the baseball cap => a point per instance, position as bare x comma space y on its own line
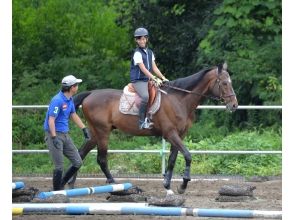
70, 80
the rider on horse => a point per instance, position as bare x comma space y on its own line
142, 66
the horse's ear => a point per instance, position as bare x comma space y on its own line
219, 68
225, 66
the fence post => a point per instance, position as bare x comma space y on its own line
163, 156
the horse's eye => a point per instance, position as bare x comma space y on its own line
225, 83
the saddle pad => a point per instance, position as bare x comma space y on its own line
128, 106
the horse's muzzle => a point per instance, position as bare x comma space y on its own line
232, 106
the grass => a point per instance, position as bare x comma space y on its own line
246, 165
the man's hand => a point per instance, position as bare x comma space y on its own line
86, 133
57, 142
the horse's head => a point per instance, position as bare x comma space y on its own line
222, 87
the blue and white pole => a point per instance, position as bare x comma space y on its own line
178, 211
18, 185
136, 209
86, 191
71, 208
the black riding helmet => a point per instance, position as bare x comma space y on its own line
139, 32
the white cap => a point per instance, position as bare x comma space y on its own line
70, 80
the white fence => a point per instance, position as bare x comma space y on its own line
163, 152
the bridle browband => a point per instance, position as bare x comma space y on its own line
217, 81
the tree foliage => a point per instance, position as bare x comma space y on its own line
247, 34
52, 39
93, 39
190, 35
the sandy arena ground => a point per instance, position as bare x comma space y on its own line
200, 194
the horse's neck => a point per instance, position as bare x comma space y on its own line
199, 92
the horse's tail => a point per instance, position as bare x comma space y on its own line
78, 98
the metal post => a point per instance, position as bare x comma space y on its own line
163, 156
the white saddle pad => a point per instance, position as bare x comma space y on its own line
128, 106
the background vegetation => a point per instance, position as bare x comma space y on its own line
93, 40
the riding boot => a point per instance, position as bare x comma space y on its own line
57, 178
69, 173
144, 122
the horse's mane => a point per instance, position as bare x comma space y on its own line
188, 82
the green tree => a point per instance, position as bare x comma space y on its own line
176, 29
247, 34
54, 38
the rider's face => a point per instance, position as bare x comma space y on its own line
141, 41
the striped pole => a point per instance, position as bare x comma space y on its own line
71, 208
178, 211
136, 209
18, 185
86, 191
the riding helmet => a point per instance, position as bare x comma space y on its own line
139, 32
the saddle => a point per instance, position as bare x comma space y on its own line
130, 101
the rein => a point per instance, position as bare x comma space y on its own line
191, 92
217, 81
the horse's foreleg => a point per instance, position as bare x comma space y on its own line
186, 177
176, 141
83, 151
103, 163
171, 164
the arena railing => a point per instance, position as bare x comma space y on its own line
163, 152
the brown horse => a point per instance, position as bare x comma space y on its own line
172, 121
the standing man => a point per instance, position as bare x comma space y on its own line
56, 127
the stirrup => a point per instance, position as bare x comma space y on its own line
147, 124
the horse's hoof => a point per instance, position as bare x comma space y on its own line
181, 190
71, 185
111, 181
169, 192
166, 184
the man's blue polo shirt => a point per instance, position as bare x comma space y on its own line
61, 108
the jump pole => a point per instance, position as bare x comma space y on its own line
71, 208
18, 185
178, 211
136, 209
86, 191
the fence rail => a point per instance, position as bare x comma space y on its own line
163, 150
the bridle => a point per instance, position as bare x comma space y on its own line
217, 82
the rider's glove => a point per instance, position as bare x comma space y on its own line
57, 142
164, 79
86, 133
157, 81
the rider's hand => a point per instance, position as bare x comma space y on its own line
57, 142
157, 81
164, 79
86, 133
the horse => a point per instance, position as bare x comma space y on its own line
172, 121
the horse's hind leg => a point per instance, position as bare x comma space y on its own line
102, 157
83, 151
171, 164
